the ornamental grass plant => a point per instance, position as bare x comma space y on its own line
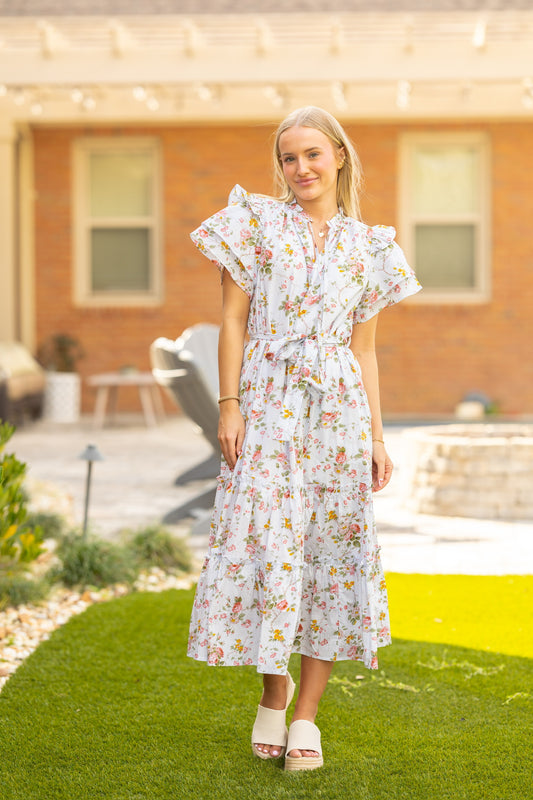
89, 561
155, 546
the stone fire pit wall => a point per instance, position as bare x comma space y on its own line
476, 470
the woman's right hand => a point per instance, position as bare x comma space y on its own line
231, 427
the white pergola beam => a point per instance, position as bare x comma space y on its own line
368, 64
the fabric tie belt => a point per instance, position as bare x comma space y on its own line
306, 369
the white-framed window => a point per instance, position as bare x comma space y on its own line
444, 206
117, 221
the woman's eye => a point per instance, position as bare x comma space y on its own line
314, 155
288, 159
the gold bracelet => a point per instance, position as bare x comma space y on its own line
229, 397
378, 440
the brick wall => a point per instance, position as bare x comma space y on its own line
430, 356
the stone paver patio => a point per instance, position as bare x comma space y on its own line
135, 485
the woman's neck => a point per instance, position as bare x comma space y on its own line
320, 212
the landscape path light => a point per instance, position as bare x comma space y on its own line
90, 454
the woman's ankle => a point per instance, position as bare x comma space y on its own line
305, 711
274, 691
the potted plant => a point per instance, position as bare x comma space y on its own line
59, 355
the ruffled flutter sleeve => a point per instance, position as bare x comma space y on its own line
390, 278
231, 237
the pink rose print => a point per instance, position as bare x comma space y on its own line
215, 656
357, 267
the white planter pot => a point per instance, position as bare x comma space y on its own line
62, 397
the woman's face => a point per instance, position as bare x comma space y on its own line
310, 164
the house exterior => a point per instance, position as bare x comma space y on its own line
124, 124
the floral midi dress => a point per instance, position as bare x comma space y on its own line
293, 562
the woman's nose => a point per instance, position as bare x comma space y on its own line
302, 166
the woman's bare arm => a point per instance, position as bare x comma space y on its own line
235, 310
363, 346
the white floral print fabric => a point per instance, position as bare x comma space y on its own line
293, 562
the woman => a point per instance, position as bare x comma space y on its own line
293, 563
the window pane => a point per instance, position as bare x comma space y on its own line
445, 256
120, 184
445, 180
120, 259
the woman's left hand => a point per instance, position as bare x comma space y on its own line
381, 467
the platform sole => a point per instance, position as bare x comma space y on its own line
300, 764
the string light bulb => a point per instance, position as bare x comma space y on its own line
527, 92
403, 94
338, 93
88, 103
204, 92
274, 95
139, 93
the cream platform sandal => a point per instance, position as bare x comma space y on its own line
303, 735
270, 728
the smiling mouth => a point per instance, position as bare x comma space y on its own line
306, 181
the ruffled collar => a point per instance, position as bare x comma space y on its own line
302, 218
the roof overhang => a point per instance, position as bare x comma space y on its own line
225, 68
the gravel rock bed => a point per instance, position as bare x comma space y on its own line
22, 629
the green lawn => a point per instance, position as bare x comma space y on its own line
486, 613
111, 708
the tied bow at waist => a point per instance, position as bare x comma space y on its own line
305, 356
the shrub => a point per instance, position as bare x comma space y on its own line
18, 588
53, 526
93, 562
155, 546
18, 541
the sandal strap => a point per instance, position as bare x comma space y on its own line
304, 735
269, 727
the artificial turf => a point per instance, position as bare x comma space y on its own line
111, 708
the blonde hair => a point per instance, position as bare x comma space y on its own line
350, 178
